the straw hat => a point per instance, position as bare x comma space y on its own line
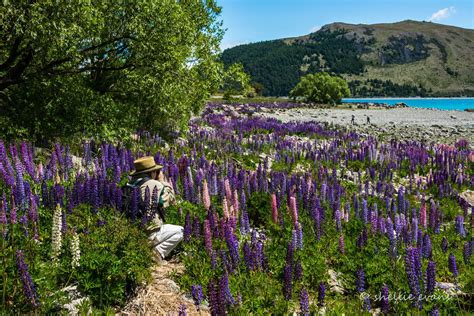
144, 165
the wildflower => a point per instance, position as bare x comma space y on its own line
411, 271
298, 275
360, 280
75, 250
293, 209
196, 228
206, 199
341, 244
187, 227
430, 278
224, 290
337, 217
467, 251
274, 208
196, 291
233, 246
29, 288
460, 226
207, 237
385, 301
444, 245
434, 312
225, 209
304, 302
423, 215
56, 235
452, 265
321, 293
213, 296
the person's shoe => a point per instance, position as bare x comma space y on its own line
158, 259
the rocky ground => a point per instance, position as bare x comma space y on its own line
401, 123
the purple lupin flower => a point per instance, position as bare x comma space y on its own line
304, 302
298, 275
337, 217
6, 176
182, 310
187, 227
224, 290
460, 226
196, 228
29, 289
13, 213
452, 265
321, 293
434, 311
430, 278
385, 301
248, 256
467, 251
411, 271
360, 280
19, 185
427, 248
299, 236
444, 245
196, 291
213, 296
233, 246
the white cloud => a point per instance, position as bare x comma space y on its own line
315, 28
442, 14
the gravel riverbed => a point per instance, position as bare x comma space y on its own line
401, 123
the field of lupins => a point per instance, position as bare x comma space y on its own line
278, 218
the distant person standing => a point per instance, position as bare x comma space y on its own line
353, 119
368, 119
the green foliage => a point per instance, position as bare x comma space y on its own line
235, 82
278, 65
115, 260
321, 88
108, 69
385, 88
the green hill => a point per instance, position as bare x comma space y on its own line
407, 58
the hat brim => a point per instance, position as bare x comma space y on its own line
155, 167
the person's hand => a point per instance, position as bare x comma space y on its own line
161, 177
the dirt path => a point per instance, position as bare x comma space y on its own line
162, 296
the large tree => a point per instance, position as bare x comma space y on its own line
321, 88
95, 65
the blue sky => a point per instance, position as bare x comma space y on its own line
249, 21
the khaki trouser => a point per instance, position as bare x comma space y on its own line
166, 239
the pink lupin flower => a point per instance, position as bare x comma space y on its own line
228, 191
39, 171
207, 237
225, 209
274, 209
341, 244
206, 199
423, 215
293, 209
236, 204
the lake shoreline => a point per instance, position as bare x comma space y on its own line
444, 126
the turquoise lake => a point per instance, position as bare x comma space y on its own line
437, 103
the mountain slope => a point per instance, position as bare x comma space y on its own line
407, 58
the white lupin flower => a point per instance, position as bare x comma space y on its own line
75, 250
56, 236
